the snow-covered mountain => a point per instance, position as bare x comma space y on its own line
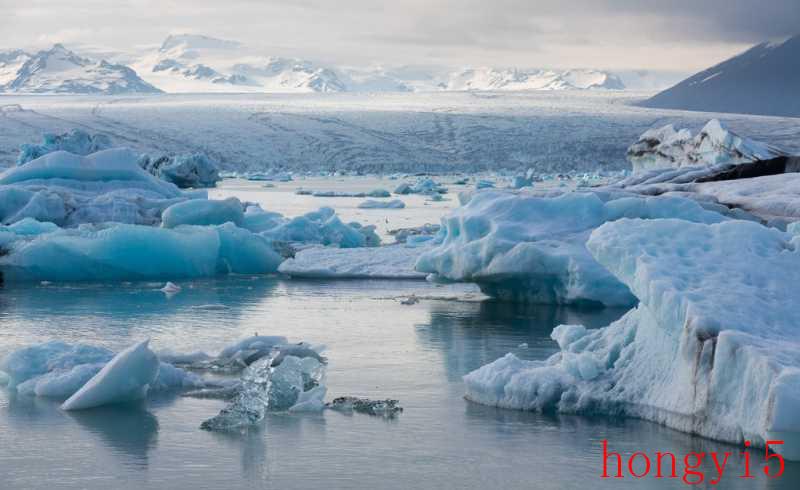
765, 79
514, 79
196, 63
59, 70
10, 63
193, 63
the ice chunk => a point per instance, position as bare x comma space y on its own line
387, 262
714, 144
372, 204
711, 349
188, 170
76, 141
125, 378
30, 362
294, 382
203, 212
532, 249
321, 226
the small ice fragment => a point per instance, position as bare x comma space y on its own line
170, 288
385, 408
411, 300
523, 345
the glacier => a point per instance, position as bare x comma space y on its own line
526, 248
711, 348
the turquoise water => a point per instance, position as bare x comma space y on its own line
376, 348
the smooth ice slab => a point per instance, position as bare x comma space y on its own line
386, 262
126, 377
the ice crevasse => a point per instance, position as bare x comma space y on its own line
712, 349
527, 248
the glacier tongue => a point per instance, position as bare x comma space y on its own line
711, 349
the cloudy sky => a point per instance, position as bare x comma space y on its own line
681, 35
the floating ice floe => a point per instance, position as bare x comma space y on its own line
386, 262
188, 170
372, 204
76, 141
532, 249
712, 348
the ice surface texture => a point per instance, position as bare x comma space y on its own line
711, 349
532, 249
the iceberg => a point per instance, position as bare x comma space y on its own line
126, 377
386, 262
185, 171
203, 212
533, 249
134, 252
711, 349
666, 148
68, 190
76, 141
373, 204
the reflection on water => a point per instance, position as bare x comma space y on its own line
471, 334
129, 430
376, 347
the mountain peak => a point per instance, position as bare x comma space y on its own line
765, 79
